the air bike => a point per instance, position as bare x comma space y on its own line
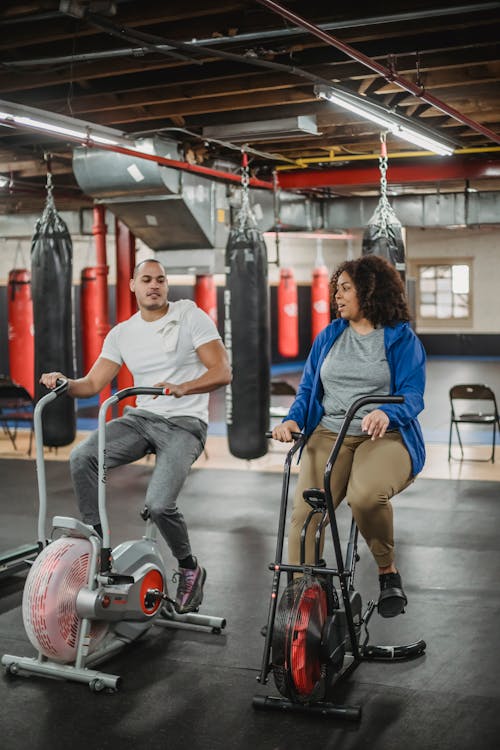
84, 602
313, 636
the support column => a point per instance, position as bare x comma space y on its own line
126, 304
101, 299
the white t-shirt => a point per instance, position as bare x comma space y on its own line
164, 350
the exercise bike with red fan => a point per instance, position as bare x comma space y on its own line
313, 634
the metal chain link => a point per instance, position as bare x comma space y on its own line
383, 207
49, 186
245, 198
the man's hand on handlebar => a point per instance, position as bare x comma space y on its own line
173, 390
283, 431
49, 379
375, 423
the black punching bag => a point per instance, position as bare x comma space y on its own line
247, 339
384, 234
384, 237
51, 282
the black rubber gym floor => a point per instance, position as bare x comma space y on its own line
188, 690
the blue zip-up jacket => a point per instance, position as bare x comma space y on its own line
406, 358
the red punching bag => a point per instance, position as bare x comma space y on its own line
288, 315
21, 338
320, 300
93, 314
205, 296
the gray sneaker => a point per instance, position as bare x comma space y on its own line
189, 589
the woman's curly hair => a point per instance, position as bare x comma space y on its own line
379, 288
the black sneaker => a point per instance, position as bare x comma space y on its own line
190, 589
392, 600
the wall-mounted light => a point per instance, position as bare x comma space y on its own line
4, 181
394, 123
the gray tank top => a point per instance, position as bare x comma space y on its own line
355, 366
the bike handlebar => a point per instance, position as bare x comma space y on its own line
355, 406
295, 435
139, 390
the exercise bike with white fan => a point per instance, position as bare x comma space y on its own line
83, 601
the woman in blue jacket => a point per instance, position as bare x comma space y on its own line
368, 349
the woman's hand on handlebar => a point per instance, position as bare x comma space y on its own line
283, 431
375, 423
49, 379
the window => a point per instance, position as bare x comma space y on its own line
444, 294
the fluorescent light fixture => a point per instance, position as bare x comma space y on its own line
32, 124
311, 235
17, 115
392, 122
264, 130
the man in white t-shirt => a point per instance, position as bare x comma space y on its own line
177, 346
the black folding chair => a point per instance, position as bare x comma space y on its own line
281, 388
16, 407
486, 413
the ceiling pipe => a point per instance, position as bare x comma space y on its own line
337, 157
387, 73
437, 171
260, 36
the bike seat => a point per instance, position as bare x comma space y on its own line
315, 498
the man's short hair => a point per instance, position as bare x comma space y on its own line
147, 260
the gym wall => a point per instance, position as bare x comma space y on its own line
480, 338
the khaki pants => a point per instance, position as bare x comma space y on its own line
367, 473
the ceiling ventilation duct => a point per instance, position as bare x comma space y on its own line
166, 208
172, 209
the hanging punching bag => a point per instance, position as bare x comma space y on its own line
21, 341
288, 314
205, 295
384, 234
93, 313
247, 339
51, 274
320, 300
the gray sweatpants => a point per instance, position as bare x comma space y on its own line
177, 442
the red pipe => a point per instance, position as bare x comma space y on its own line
437, 171
387, 73
101, 299
126, 304
125, 262
183, 165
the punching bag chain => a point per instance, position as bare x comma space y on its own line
49, 186
384, 206
245, 216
